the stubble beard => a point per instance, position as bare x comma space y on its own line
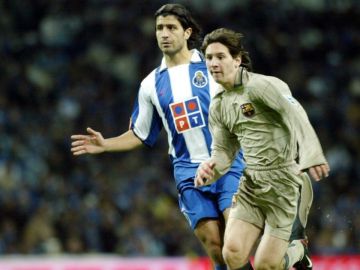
171, 51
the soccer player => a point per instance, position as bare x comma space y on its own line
258, 114
176, 96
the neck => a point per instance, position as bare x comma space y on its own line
179, 58
239, 77
228, 86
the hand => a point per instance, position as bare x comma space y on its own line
318, 172
204, 174
88, 144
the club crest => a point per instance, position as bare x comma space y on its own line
199, 80
247, 109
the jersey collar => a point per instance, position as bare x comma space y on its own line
242, 80
196, 57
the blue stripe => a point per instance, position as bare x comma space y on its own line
135, 112
165, 97
156, 126
204, 97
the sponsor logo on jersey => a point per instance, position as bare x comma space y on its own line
199, 80
187, 114
247, 109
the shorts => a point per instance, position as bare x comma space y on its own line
207, 202
304, 205
269, 199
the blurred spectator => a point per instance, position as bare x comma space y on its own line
66, 61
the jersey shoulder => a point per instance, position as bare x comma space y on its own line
262, 82
147, 85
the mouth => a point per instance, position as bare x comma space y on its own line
165, 44
215, 73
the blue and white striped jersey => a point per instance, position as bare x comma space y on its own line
178, 99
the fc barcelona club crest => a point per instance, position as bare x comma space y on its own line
199, 79
247, 109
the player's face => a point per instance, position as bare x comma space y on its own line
222, 66
170, 35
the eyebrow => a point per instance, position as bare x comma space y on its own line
166, 24
216, 53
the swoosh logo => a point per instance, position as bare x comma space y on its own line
309, 261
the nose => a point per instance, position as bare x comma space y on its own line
164, 32
213, 62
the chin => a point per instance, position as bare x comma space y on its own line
217, 79
169, 49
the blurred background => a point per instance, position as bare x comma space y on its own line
66, 65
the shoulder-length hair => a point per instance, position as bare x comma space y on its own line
233, 41
186, 20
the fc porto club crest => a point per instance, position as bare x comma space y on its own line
247, 109
199, 80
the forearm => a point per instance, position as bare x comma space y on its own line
297, 122
210, 171
310, 150
223, 161
224, 147
125, 142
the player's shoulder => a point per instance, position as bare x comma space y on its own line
149, 80
261, 81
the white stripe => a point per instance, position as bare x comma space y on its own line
194, 138
143, 122
212, 85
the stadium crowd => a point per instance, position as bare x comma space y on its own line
66, 65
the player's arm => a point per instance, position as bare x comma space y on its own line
318, 172
145, 123
311, 157
94, 142
205, 174
224, 150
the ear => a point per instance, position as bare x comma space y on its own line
187, 33
237, 60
